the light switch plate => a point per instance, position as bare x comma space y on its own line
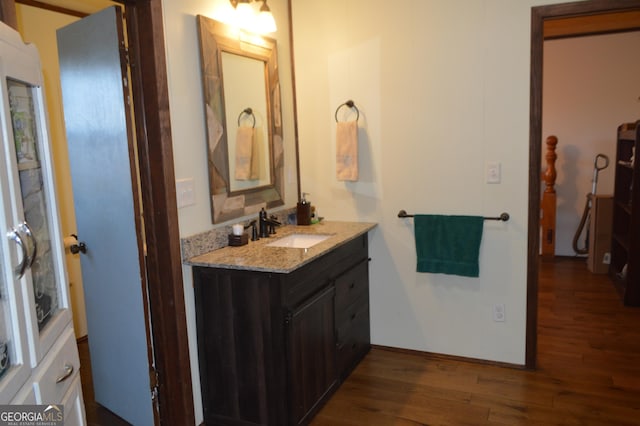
185, 192
492, 172
498, 312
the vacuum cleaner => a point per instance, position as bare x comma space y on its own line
601, 162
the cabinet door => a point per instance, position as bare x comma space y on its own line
74, 414
33, 214
312, 359
14, 359
16, 252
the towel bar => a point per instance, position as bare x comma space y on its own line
349, 104
503, 217
249, 112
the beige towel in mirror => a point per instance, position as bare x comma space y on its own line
246, 154
347, 150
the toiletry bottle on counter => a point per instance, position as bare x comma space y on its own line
304, 211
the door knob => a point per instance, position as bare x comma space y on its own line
80, 247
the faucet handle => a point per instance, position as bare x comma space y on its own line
254, 231
272, 223
274, 220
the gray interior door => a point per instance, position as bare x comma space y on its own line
105, 190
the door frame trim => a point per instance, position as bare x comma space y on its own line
538, 16
157, 181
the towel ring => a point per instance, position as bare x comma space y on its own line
247, 111
349, 104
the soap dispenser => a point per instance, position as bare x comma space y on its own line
303, 211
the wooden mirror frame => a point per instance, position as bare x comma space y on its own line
215, 38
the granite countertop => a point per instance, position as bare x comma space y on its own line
256, 256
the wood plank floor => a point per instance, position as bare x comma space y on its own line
588, 370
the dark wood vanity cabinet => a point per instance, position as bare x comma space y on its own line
273, 347
311, 348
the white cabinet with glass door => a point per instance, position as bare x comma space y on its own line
38, 352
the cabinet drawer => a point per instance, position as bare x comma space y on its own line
356, 314
352, 285
353, 346
25, 396
307, 280
58, 370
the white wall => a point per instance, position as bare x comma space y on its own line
591, 86
443, 87
188, 127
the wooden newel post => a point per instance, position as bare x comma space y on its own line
548, 204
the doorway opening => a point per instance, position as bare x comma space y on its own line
564, 20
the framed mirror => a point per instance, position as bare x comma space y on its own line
242, 100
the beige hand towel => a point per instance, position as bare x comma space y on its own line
246, 161
347, 150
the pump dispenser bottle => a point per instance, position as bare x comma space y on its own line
304, 210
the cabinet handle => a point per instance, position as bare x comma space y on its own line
352, 285
68, 371
20, 269
24, 227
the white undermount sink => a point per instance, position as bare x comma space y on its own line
299, 240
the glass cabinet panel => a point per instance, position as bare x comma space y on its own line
36, 227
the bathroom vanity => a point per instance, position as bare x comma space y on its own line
280, 327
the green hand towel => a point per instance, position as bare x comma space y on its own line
448, 244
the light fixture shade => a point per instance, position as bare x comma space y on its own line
245, 14
265, 22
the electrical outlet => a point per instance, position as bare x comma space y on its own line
498, 312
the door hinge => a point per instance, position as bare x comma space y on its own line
154, 382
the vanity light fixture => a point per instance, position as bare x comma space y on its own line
246, 17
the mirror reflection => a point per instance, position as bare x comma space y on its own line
244, 126
246, 102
